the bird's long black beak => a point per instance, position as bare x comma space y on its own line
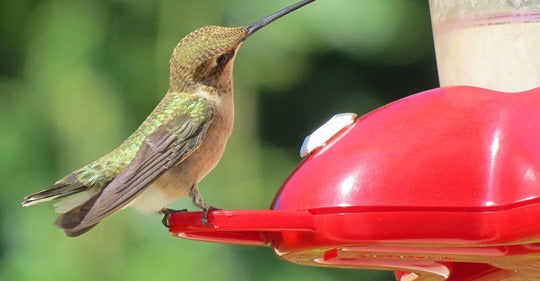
266, 20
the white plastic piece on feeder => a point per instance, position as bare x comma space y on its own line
320, 136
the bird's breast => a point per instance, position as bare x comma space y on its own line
177, 181
201, 161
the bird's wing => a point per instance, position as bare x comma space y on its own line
167, 145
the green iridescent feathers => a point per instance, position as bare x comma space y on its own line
203, 55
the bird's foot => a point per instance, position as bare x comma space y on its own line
199, 202
204, 218
167, 213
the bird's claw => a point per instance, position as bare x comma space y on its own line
199, 202
204, 218
167, 213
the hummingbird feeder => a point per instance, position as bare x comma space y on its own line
440, 185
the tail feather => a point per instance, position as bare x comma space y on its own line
79, 191
73, 221
56, 191
67, 203
78, 231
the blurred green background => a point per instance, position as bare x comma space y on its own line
76, 77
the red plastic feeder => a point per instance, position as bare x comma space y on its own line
441, 185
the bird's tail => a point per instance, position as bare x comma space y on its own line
79, 191
72, 221
74, 208
58, 190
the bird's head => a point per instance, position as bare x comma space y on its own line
205, 57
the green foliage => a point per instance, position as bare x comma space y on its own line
76, 77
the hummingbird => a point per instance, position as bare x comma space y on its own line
174, 148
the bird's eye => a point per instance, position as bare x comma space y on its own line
223, 59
